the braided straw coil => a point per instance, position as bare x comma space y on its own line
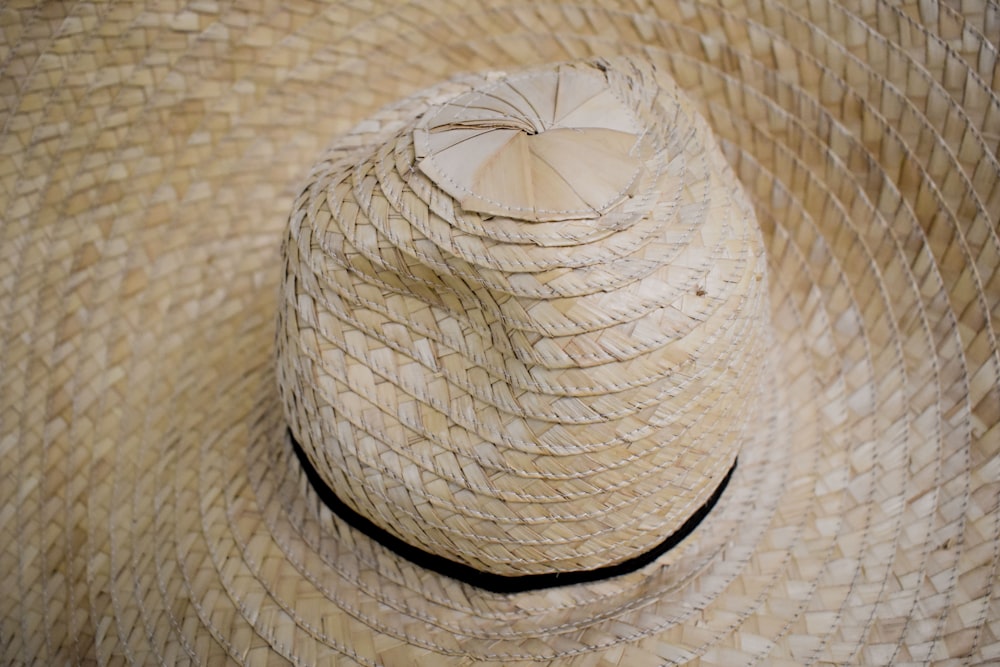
528, 381
520, 405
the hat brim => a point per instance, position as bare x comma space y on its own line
154, 509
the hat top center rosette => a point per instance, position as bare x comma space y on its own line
524, 321
546, 145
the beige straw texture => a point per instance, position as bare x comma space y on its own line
153, 509
517, 406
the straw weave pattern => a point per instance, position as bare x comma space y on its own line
549, 419
152, 509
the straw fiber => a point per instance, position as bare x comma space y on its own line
228, 225
505, 404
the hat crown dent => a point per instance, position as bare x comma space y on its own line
529, 392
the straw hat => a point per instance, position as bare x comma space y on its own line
611, 335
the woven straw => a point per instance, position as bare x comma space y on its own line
526, 407
793, 261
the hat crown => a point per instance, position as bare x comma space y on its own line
502, 359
